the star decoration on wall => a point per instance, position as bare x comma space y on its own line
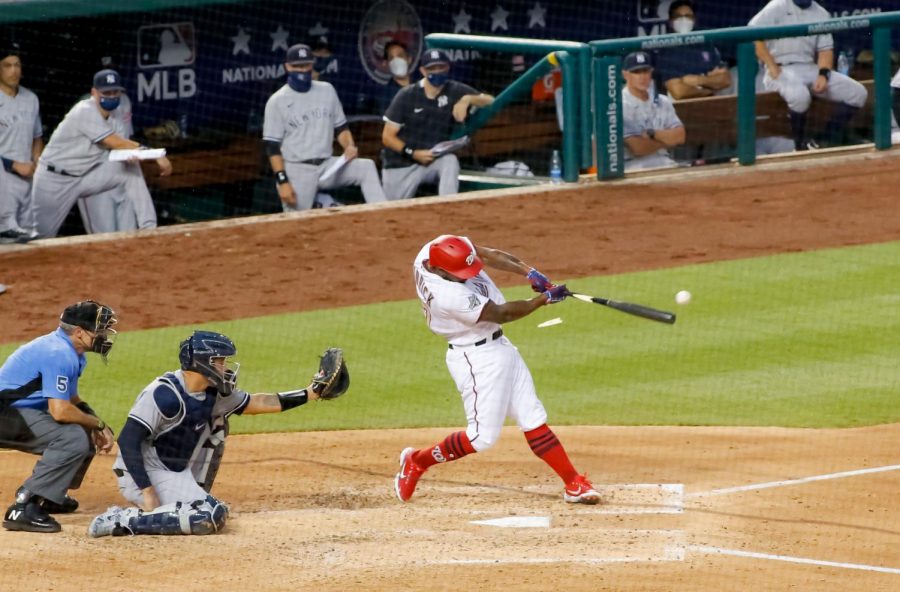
461, 22
241, 42
279, 39
498, 19
536, 16
318, 30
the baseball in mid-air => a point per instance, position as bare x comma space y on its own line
683, 297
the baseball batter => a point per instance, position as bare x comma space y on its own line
76, 161
115, 210
173, 439
21, 143
299, 127
463, 305
650, 125
799, 68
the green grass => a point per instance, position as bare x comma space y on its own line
805, 339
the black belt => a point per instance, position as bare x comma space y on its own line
497, 335
314, 161
119, 472
59, 171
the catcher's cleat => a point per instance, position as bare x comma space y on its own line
406, 479
113, 522
69, 505
29, 517
581, 491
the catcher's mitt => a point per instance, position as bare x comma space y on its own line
333, 379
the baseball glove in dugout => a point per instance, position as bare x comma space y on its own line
333, 379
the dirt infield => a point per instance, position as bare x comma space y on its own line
687, 508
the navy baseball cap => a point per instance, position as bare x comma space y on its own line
299, 54
433, 57
637, 60
108, 80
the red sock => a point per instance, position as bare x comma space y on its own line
453, 447
548, 448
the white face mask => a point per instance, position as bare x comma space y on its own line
683, 24
399, 67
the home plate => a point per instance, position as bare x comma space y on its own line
517, 522
550, 323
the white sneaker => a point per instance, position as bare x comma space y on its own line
114, 521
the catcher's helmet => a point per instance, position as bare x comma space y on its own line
455, 255
197, 353
97, 318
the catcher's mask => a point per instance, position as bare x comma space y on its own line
199, 353
96, 318
455, 255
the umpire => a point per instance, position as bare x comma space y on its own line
41, 413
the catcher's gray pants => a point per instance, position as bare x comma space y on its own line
403, 183
115, 210
55, 194
66, 450
170, 487
304, 178
15, 202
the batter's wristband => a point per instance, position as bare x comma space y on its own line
281, 177
408, 151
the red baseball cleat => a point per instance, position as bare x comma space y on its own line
406, 479
581, 491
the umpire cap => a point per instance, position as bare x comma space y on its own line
299, 54
89, 315
108, 80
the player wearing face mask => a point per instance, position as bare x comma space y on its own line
400, 65
693, 70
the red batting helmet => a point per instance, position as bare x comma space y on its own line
454, 255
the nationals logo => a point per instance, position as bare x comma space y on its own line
388, 20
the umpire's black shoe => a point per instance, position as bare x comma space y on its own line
14, 236
69, 505
29, 517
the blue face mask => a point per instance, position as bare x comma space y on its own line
300, 81
109, 103
438, 78
803, 4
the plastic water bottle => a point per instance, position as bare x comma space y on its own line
182, 125
843, 64
555, 168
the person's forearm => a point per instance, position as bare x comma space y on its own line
642, 145
671, 137
345, 139
277, 162
36, 148
826, 59
513, 311
392, 141
503, 261
64, 411
678, 90
762, 52
262, 403
481, 100
717, 80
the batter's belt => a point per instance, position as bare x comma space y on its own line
494, 337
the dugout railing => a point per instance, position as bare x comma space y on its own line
607, 80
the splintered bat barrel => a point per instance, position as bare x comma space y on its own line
638, 310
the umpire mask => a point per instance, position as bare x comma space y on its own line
98, 319
300, 81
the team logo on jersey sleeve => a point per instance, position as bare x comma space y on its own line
474, 302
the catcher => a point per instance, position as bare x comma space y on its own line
173, 440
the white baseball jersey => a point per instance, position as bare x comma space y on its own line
74, 147
638, 116
20, 124
793, 50
452, 308
304, 123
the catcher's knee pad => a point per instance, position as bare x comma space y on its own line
200, 517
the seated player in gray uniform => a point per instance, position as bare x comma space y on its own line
21, 143
115, 210
42, 412
173, 441
299, 127
76, 161
421, 116
799, 68
650, 124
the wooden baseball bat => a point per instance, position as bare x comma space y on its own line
638, 310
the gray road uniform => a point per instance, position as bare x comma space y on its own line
20, 126
304, 124
799, 69
74, 164
656, 113
177, 429
115, 210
